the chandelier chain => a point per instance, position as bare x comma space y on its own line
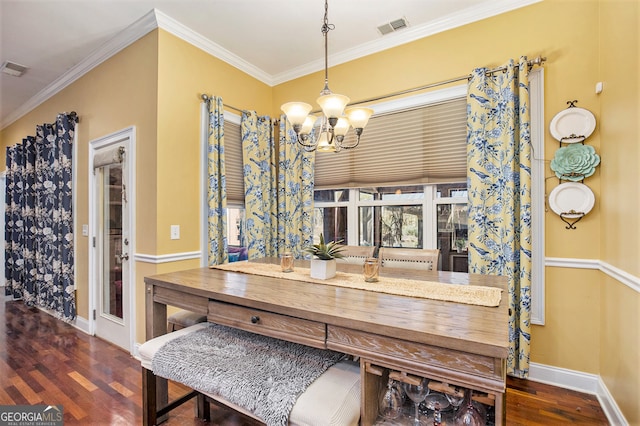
327, 135
326, 27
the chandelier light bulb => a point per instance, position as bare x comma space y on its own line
334, 126
296, 112
341, 128
333, 105
308, 124
324, 143
359, 117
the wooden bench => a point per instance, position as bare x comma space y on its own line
332, 399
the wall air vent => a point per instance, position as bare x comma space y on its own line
394, 25
13, 69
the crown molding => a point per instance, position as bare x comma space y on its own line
157, 19
407, 35
123, 39
179, 30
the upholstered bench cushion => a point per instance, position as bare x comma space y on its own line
183, 319
332, 399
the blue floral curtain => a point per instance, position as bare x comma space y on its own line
295, 192
39, 263
499, 184
260, 184
216, 188
278, 188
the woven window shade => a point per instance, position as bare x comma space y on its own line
426, 144
233, 162
107, 157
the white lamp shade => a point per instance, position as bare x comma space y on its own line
308, 124
359, 117
323, 143
296, 112
342, 127
333, 105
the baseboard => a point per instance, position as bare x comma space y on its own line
136, 351
581, 382
81, 324
609, 405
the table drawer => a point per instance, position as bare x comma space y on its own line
283, 327
436, 362
190, 302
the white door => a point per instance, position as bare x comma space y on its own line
111, 243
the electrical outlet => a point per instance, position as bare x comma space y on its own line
175, 232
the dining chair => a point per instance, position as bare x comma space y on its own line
409, 258
356, 255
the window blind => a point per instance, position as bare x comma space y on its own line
109, 156
425, 144
233, 162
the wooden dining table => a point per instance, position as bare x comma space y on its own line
458, 344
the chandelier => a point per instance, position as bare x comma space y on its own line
335, 121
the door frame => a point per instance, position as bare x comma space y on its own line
126, 137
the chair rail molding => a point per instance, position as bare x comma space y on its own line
617, 274
166, 258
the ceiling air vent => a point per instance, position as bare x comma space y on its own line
392, 26
13, 69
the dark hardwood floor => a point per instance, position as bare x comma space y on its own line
46, 361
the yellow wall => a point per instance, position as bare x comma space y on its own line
184, 73
591, 319
155, 84
582, 306
620, 203
119, 93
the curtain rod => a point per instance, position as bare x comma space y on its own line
539, 60
207, 98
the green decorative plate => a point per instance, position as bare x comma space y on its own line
575, 162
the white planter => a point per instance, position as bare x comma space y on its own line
323, 269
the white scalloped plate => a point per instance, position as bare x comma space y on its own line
571, 200
572, 125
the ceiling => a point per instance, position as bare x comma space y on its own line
273, 40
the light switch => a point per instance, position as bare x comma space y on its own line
175, 232
85, 230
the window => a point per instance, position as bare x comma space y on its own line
235, 188
411, 162
396, 216
235, 226
442, 172
330, 215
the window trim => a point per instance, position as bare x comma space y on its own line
536, 95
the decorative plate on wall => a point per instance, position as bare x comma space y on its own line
571, 200
575, 162
572, 125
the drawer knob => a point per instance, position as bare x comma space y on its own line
255, 319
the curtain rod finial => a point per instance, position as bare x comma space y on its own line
538, 60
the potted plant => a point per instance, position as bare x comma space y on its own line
323, 263
461, 245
